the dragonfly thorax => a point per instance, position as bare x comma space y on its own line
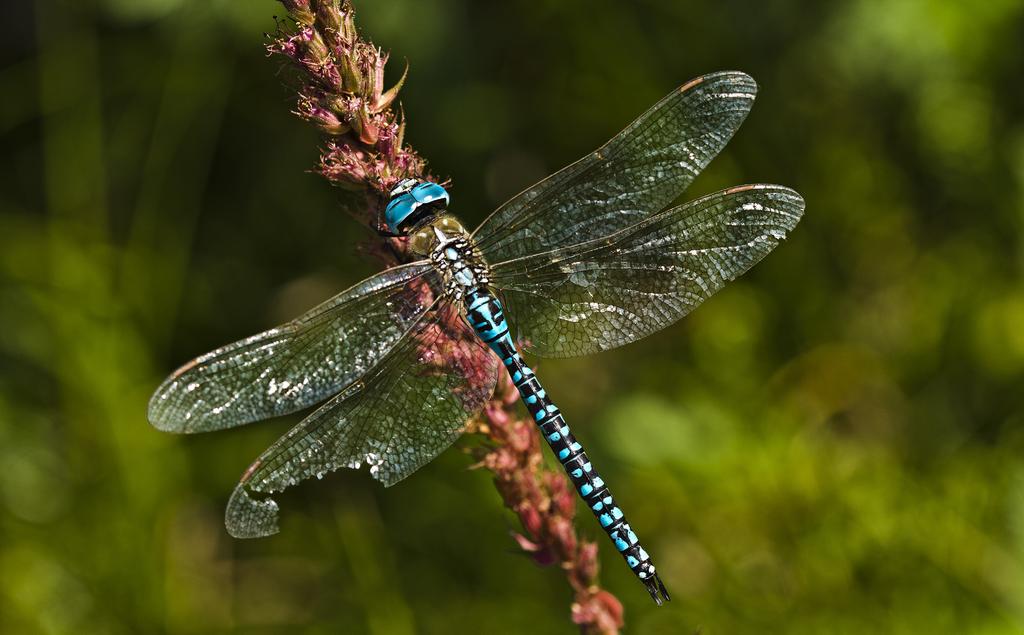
434, 232
451, 250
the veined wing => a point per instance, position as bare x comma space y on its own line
405, 411
640, 171
610, 291
298, 364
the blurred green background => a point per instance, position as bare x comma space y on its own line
833, 444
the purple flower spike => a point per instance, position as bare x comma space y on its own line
342, 93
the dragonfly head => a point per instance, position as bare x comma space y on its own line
412, 202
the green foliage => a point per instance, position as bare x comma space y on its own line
835, 440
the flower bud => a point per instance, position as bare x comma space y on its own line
328, 16
343, 165
532, 522
310, 109
586, 562
299, 10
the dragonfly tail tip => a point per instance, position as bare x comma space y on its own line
657, 590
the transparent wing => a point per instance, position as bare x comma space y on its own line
298, 364
607, 292
400, 415
640, 171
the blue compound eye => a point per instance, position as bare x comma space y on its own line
399, 209
427, 192
411, 204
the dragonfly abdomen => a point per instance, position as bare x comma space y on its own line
487, 317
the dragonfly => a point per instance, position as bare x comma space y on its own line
590, 258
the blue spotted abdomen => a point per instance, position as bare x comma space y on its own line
484, 312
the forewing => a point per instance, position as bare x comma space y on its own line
611, 291
298, 364
403, 413
640, 171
